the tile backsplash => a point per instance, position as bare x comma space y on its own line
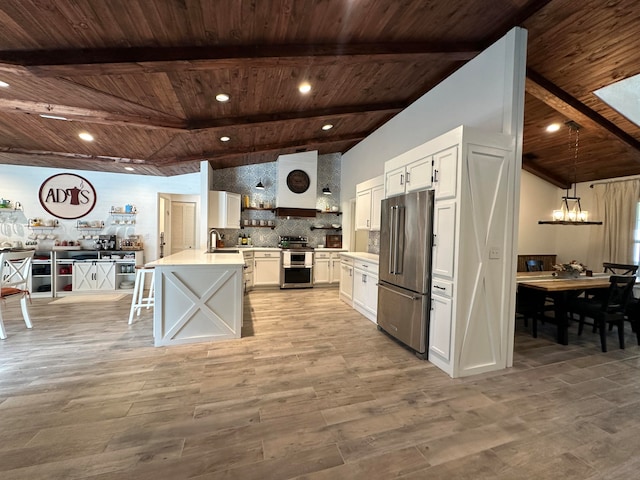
244, 179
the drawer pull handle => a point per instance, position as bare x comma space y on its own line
439, 287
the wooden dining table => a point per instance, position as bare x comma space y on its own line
561, 290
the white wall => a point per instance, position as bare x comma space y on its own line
22, 184
480, 94
477, 95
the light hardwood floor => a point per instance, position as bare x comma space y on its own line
312, 391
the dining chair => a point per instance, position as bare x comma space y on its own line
15, 271
632, 315
619, 268
610, 308
535, 265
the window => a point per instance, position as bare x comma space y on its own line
636, 237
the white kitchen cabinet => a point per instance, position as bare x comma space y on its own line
224, 209
440, 323
334, 269
365, 289
406, 174
346, 280
266, 269
363, 210
321, 267
326, 268
445, 175
473, 262
94, 275
444, 242
369, 196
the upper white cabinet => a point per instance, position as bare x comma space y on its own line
444, 239
445, 175
369, 196
408, 172
224, 210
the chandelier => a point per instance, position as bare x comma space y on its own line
570, 211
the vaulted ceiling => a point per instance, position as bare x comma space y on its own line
142, 76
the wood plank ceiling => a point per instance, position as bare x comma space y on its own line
142, 77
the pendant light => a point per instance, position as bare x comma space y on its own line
570, 211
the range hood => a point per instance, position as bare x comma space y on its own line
297, 184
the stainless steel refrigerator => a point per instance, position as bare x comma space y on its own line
406, 239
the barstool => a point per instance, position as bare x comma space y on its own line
139, 300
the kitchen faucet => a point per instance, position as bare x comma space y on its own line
211, 245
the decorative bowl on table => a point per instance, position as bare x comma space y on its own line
573, 269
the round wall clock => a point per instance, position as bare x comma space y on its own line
298, 181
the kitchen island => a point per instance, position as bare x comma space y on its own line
198, 297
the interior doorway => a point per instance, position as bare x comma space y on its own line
177, 223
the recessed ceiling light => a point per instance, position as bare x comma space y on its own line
4, 84
304, 87
327, 126
225, 139
53, 117
222, 97
130, 169
87, 137
554, 127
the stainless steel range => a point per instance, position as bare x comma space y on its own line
297, 262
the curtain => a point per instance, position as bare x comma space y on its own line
615, 205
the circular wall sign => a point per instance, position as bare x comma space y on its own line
67, 196
298, 181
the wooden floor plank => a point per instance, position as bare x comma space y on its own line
312, 391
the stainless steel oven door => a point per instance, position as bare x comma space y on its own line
297, 270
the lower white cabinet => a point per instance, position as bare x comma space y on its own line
334, 269
321, 267
440, 328
94, 275
365, 289
326, 268
266, 269
346, 280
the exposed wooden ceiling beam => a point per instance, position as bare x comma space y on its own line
388, 108
69, 156
91, 115
561, 101
121, 61
172, 123
544, 174
268, 148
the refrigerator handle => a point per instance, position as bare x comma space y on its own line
392, 211
410, 297
398, 253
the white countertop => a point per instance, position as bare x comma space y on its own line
200, 257
369, 257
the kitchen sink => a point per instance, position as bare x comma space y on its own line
225, 251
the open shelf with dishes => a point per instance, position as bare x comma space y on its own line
330, 212
257, 226
318, 227
87, 225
